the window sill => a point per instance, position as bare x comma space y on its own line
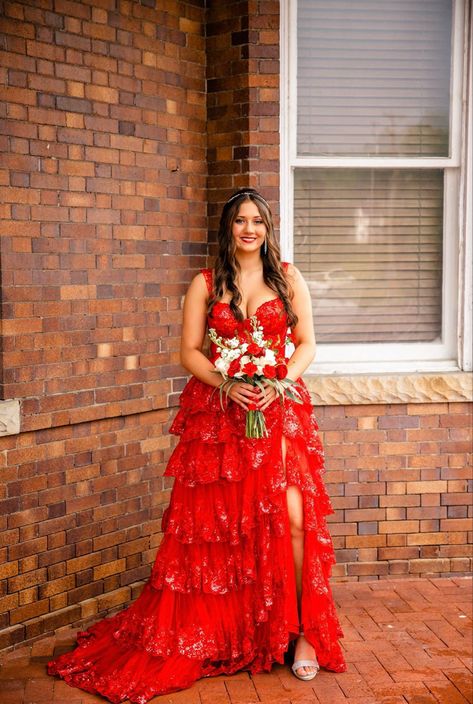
355, 389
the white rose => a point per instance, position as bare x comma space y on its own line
233, 354
258, 338
260, 363
269, 357
221, 365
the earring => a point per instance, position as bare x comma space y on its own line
265, 246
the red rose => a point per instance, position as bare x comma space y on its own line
251, 406
234, 367
281, 371
250, 368
269, 371
255, 350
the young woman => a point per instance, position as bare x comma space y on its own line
242, 573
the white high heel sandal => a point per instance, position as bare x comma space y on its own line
305, 663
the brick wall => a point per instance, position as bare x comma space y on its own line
399, 476
109, 162
104, 196
104, 222
243, 102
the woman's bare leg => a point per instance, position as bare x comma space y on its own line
303, 650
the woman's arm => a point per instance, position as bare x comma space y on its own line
303, 332
194, 324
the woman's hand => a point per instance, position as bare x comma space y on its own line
267, 397
243, 393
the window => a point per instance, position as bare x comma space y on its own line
371, 129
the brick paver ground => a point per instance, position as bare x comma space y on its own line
406, 641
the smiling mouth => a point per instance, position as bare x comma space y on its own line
248, 239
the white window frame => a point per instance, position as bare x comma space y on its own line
454, 352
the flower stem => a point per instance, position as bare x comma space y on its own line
255, 425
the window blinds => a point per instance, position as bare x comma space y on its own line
373, 77
369, 244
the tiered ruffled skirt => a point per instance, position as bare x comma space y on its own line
222, 593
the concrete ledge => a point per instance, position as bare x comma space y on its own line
333, 390
9, 417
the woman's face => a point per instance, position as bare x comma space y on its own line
248, 229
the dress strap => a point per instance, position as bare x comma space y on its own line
285, 265
208, 276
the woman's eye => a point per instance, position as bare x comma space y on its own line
241, 221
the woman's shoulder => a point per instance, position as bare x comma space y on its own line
207, 275
291, 270
201, 283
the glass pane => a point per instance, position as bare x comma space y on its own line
373, 77
369, 244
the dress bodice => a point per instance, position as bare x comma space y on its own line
271, 315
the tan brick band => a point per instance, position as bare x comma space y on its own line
390, 388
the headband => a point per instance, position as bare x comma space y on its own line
247, 193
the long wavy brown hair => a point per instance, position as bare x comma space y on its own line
227, 265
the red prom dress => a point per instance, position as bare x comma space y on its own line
222, 593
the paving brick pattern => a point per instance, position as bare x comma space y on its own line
407, 641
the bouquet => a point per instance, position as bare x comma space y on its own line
252, 358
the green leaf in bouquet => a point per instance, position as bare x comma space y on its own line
223, 389
294, 395
276, 384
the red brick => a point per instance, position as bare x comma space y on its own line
24, 613
399, 526
429, 566
455, 524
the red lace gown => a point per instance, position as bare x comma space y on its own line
222, 595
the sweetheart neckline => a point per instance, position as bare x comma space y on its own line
270, 300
